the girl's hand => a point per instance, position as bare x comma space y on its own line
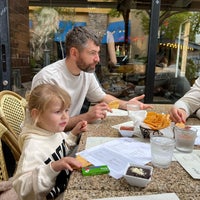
80, 127
69, 163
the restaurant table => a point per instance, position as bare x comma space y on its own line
171, 180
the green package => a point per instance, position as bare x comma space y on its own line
95, 170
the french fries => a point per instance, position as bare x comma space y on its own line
157, 121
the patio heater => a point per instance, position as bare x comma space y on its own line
185, 46
124, 7
5, 64
46, 56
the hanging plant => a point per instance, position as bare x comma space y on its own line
47, 22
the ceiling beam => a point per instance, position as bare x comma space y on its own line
71, 3
173, 5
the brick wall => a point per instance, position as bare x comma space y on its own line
19, 38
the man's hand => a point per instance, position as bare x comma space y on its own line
97, 112
136, 100
177, 115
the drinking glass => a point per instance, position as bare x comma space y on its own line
185, 138
161, 150
131, 108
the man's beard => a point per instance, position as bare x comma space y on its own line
84, 67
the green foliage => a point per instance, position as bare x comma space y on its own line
144, 17
170, 26
68, 13
114, 13
191, 70
195, 22
170, 21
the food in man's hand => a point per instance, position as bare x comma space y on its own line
127, 128
180, 125
157, 121
114, 104
84, 162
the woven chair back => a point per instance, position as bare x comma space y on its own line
12, 115
12, 110
3, 168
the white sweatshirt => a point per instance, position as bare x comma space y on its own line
79, 87
35, 178
190, 102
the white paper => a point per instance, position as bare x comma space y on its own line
94, 141
117, 112
117, 153
164, 196
190, 162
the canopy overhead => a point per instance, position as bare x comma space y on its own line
175, 5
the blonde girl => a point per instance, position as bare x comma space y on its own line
44, 167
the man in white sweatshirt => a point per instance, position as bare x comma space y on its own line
73, 74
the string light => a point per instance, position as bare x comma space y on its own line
174, 46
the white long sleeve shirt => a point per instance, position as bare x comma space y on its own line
190, 102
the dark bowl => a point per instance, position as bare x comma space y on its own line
146, 132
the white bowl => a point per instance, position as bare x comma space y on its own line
138, 181
126, 133
129, 133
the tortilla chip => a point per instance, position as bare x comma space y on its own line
157, 121
180, 125
114, 104
84, 162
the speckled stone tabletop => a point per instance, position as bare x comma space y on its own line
173, 179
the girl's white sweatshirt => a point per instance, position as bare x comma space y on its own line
34, 178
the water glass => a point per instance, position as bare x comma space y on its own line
131, 108
185, 138
161, 150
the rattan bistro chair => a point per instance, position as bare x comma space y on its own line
3, 168
12, 114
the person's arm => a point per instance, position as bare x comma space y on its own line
94, 113
73, 135
32, 184
187, 105
123, 104
99, 110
